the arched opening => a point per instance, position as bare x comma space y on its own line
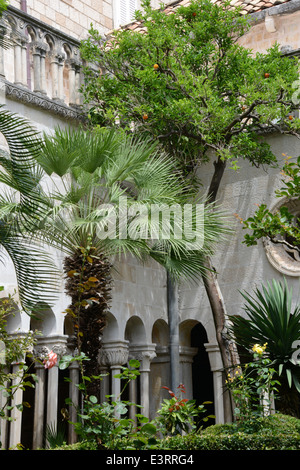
43, 320
203, 389
13, 315
160, 333
135, 331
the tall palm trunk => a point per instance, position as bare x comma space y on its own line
88, 284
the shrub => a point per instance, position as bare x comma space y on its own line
276, 432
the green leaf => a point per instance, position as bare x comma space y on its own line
149, 429
93, 399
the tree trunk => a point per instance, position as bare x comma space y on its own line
227, 346
89, 286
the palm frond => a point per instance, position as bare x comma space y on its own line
23, 211
270, 318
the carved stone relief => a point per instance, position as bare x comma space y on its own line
281, 254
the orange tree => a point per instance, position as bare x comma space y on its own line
182, 79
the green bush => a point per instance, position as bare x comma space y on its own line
275, 432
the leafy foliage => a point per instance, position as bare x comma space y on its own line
270, 318
183, 79
253, 387
22, 207
12, 351
279, 226
178, 414
276, 432
106, 169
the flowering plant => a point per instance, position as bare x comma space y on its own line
253, 386
50, 360
178, 414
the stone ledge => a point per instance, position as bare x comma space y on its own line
26, 96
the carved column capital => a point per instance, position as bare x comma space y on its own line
39, 48
143, 353
56, 344
114, 353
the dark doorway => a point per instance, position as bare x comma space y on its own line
203, 389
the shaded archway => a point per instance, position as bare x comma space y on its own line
203, 389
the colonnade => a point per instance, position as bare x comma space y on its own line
113, 356
45, 61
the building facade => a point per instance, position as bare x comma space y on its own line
40, 77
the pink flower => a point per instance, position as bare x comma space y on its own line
51, 360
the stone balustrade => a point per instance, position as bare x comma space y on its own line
42, 66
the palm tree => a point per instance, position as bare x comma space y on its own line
271, 318
22, 203
99, 178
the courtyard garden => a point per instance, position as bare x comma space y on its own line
183, 95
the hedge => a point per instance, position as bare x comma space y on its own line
275, 432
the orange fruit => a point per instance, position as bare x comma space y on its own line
145, 117
156, 66
267, 75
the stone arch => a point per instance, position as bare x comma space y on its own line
185, 329
160, 333
111, 331
43, 320
135, 331
13, 320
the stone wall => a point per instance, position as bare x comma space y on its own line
279, 24
72, 17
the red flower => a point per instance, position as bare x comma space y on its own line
51, 360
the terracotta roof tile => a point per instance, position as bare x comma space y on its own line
248, 6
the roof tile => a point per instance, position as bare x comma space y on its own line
248, 6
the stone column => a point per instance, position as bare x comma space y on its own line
39, 402
74, 77
132, 398
24, 61
3, 422
56, 60
43, 70
104, 388
18, 60
115, 355
216, 366
16, 415
52, 396
144, 354
186, 359
2, 35
60, 84
39, 73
